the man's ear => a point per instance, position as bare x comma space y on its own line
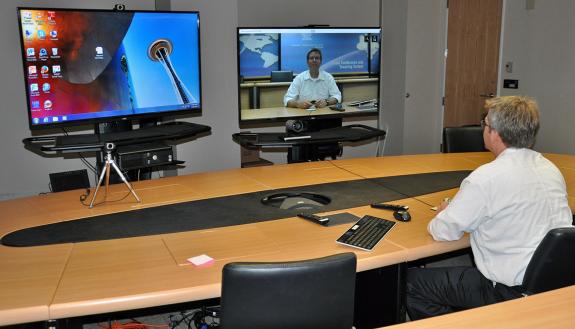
496, 140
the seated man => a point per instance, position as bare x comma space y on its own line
507, 205
312, 87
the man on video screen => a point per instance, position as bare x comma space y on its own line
312, 87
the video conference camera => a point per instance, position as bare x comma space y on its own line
120, 7
296, 126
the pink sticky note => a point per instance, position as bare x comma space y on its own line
201, 260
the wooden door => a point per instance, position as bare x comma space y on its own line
473, 35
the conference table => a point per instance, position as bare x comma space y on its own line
76, 279
288, 112
549, 310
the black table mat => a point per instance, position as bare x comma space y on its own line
230, 210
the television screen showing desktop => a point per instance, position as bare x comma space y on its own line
269, 59
83, 66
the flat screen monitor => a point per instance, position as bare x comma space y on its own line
350, 55
83, 66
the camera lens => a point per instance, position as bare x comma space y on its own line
295, 126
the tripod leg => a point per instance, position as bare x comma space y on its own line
107, 176
119, 172
104, 171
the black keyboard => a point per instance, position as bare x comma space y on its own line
366, 233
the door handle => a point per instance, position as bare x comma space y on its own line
490, 95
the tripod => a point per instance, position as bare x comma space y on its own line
106, 172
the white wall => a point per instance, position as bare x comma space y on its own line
541, 44
394, 24
270, 13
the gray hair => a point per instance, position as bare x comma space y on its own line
515, 118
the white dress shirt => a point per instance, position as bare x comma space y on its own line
508, 205
304, 87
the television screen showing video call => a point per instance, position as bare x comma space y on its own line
84, 66
270, 58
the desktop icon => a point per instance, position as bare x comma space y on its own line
51, 16
30, 52
99, 51
33, 87
64, 118
41, 34
56, 69
29, 33
46, 119
53, 34
44, 69
36, 121
46, 87
43, 52
32, 70
54, 119
35, 104
27, 14
47, 104
54, 51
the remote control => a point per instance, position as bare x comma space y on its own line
314, 218
337, 108
388, 206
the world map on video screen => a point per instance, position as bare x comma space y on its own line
261, 53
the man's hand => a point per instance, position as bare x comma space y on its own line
304, 104
443, 205
321, 103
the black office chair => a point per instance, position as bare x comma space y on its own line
69, 180
463, 139
552, 265
316, 293
281, 76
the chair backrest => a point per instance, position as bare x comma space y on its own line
552, 265
316, 293
281, 76
463, 139
69, 180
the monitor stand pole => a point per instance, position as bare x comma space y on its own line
106, 172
